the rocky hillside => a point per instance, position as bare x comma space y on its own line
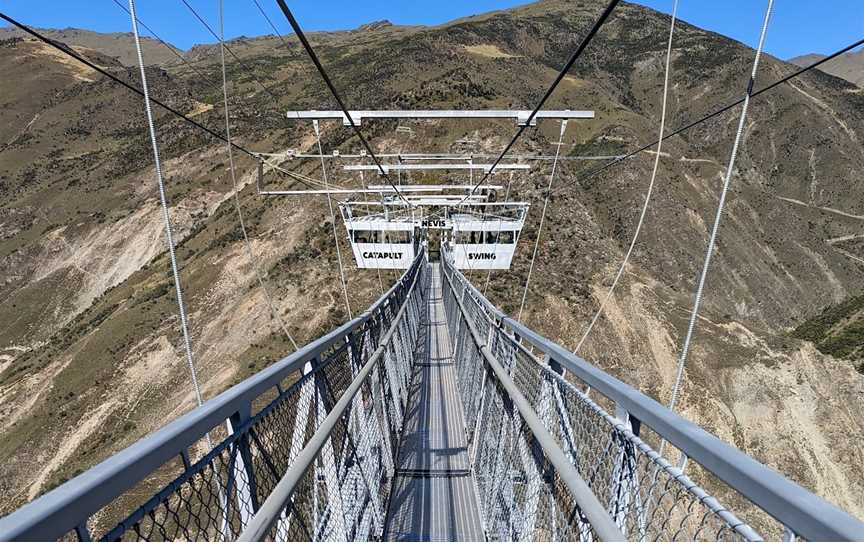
849, 66
90, 352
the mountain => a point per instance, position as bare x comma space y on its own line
90, 354
849, 66
118, 45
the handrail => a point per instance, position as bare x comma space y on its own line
804, 513
63, 509
600, 520
273, 506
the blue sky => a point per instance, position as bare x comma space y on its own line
798, 27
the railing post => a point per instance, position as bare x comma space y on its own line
623, 483
247, 490
82, 532
327, 461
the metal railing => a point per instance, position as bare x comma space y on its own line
350, 505
648, 498
527, 487
337, 407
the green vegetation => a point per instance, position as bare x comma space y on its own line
838, 331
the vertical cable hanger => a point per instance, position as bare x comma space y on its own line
184, 324
332, 220
650, 189
542, 218
246, 244
694, 313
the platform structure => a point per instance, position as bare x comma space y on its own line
434, 495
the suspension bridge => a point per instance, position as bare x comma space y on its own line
432, 415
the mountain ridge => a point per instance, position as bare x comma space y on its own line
848, 66
107, 367
118, 45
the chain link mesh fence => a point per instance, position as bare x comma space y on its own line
648, 498
521, 495
344, 494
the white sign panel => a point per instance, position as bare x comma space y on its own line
383, 255
485, 256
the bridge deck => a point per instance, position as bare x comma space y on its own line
433, 495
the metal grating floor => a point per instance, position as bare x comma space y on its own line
433, 497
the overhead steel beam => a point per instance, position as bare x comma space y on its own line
433, 156
520, 116
378, 189
429, 167
365, 203
431, 187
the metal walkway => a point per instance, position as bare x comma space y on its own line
433, 496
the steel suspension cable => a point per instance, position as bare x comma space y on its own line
237, 58
333, 221
314, 57
188, 64
184, 324
73, 54
648, 192
709, 116
115, 79
246, 244
694, 314
561, 74
542, 219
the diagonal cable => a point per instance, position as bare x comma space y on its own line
713, 114
314, 57
168, 46
273, 26
73, 54
114, 78
648, 192
246, 244
573, 58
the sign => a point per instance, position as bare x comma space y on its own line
434, 224
375, 255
